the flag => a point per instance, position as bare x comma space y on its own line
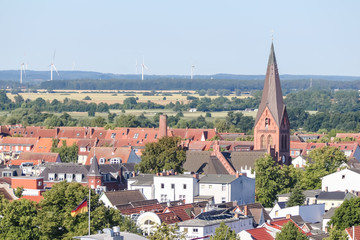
81, 208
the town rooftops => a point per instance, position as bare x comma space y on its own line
307, 193
143, 179
208, 222
353, 232
260, 234
329, 213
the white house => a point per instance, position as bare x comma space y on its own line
203, 227
228, 188
176, 187
333, 199
299, 162
144, 183
309, 213
343, 180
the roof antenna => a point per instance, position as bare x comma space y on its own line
272, 35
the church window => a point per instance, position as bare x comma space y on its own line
270, 140
262, 142
267, 122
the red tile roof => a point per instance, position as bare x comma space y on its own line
18, 141
260, 234
168, 218
153, 207
35, 158
351, 230
33, 198
43, 145
72, 132
180, 211
108, 153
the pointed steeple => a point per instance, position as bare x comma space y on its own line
94, 168
272, 94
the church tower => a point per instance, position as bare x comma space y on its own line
272, 126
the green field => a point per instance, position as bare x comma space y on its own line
112, 97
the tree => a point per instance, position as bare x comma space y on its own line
290, 232
347, 214
272, 179
224, 232
323, 162
166, 232
54, 217
297, 197
18, 219
165, 154
67, 154
337, 234
18, 191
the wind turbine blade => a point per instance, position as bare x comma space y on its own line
56, 70
54, 55
146, 67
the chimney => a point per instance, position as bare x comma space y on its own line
196, 175
163, 126
245, 210
288, 216
133, 174
216, 146
237, 174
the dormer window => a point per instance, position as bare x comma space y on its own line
69, 177
61, 176
136, 135
155, 136
78, 134
145, 136
113, 135
102, 160
51, 176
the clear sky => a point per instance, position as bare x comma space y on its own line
223, 36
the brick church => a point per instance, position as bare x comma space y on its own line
272, 126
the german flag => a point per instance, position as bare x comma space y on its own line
81, 208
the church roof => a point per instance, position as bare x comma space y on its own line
94, 168
272, 95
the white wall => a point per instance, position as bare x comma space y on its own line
309, 213
242, 190
147, 190
173, 194
340, 181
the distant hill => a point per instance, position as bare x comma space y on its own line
41, 76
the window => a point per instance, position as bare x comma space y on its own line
149, 222
78, 134
262, 142
69, 177
136, 135
51, 176
184, 186
173, 186
223, 187
78, 177
155, 136
162, 185
145, 136
181, 197
195, 230
39, 183
163, 198
115, 161
343, 176
113, 135
61, 177
223, 199
102, 160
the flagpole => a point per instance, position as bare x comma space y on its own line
89, 208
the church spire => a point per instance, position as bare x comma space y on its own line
272, 94
94, 168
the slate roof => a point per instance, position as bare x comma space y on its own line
64, 168
94, 167
124, 197
272, 95
329, 213
217, 178
143, 179
245, 159
307, 193
203, 162
334, 196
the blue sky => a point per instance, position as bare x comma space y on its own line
230, 36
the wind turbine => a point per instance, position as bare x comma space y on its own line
52, 66
192, 71
22, 69
143, 66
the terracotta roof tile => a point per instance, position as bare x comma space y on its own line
43, 145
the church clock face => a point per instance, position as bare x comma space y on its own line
283, 159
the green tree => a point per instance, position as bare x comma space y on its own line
272, 179
347, 214
18, 220
54, 217
165, 154
323, 162
166, 232
290, 232
224, 232
67, 154
18, 191
297, 197
337, 234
